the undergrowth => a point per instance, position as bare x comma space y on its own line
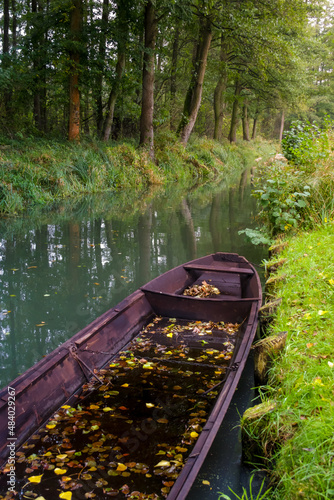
297, 437
39, 172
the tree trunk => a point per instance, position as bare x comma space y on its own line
7, 97
245, 123
5, 39
14, 25
120, 67
146, 118
101, 62
219, 103
175, 52
74, 108
281, 127
254, 128
234, 118
194, 95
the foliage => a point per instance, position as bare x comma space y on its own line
245, 495
306, 143
281, 198
291, 197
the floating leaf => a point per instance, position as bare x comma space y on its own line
35, 479
194, 434
163, 463
50, 426
206, 482
149, 405
60, 471
162, 420
86, 476
107, 408
62, 457
66, 495
121, 467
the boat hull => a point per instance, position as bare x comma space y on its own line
50, 383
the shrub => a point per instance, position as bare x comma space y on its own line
306, 143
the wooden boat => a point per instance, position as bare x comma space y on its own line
58, 377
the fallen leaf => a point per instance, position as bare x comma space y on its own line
121, 467
35, 479
59, 471
163, 463
66, 495
206, 482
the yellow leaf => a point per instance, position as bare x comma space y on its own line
169, 335
66, 495
94, 407
50, 426
59, 471
125, 385
163, 463
121, 467
62, 457
206, 482
149, 405
194, 434
107, 408
35, 479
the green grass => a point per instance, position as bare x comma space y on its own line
39, 172
298, 434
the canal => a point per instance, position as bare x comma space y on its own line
61, 269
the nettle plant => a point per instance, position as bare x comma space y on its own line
306, 143
282, 205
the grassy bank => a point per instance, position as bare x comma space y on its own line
294, 438
39, 172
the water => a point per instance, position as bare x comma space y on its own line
60, 270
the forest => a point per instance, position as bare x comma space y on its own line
114, 69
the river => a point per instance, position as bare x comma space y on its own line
60, 269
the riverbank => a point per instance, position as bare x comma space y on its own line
38, 172
294, 435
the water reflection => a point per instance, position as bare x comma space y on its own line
61, 270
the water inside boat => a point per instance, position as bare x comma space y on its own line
133, 425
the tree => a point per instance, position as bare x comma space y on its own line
194, 94
122, 22
74, 55
146, 118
